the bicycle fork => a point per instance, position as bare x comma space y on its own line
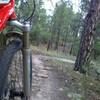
26, 57
26, 65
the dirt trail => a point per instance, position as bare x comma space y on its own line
55, 80
59, 59
48, 83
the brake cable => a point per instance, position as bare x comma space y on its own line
32, 14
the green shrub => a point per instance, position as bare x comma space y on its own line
97, 49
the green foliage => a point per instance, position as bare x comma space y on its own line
62, 18
75, 47
65, 25
39, 33
45, 37
64, 21
97, 49
23, 8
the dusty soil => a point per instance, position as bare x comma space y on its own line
53, 80
48, 81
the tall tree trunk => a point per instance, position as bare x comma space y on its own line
48, 45
57, 40
50, 42
87, 38
64, 43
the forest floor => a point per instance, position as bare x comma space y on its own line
54, 79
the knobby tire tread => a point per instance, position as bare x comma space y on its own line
5, 61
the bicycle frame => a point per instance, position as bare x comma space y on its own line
8, 17
6, 13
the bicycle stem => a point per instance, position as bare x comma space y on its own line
26, 54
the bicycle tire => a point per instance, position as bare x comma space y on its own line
5, 61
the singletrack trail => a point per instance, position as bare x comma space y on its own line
48, 81
54, 79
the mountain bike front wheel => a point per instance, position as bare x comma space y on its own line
11, 72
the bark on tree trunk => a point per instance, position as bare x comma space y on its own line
57, 40
49, 45
87, 38
64, 43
